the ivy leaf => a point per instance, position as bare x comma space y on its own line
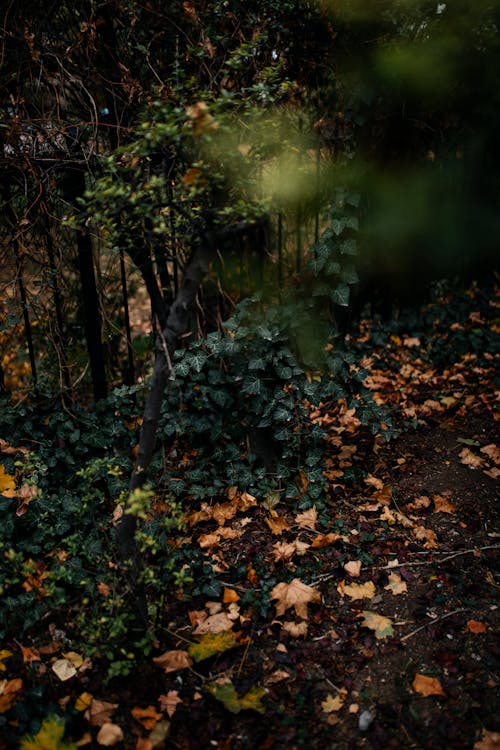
225, 692
49, 737
340, 295
215, 643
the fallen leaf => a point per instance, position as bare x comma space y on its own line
396, 586
75, 659
143, 743
334, 702
214, 624
492, 451
278, 525
378, 623
4, 654
469, 458
230, 595
295, 594
148, 717
109, 735
8, 693
357, 590
488, 741
425, 685
83, 701
443, 504
172, 661
325, 540
421, 533
99, 712
374, 482
7, 481
49, 736
64, 669
246, 501
295, 629
30, 654
225, 692
215, 643
308, 519
160, 733
169, 702
353, 568
474, 626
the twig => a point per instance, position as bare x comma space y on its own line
427, 624
243, 658
442, 560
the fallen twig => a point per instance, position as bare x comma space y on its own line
427, 624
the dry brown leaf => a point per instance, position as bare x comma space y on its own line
278, 525
99, 712
295, 594
373, 481
246, 501
357, 590
209, 540
148, 717
296, 629
9, 690
222, 512
30, 654
443, 504
474, 626
215, 624
226, 532
383, 496
144, 743
494, 473
353, 568
427, 685
421, 533
308, 519
109, 735
396, 586
492, 451
469, 458
325, 540
169, 702
423, 501
283, 551
172, 661
488, 741
230, 595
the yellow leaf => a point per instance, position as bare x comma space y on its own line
380, 624
427, 685
49, 737
215, 643
7, 482
4, 654
357, 590
83, 701
333, 703
295, 594
224, 691
229, 596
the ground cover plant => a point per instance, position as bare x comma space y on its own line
348, 598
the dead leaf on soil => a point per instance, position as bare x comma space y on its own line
278, 676
295, 594
443, 504
492, 451
382, 626
278, 525
9, 690
224, 690
169, 702
64, 669
469, 458
325, 540
308, 519
109, 735
215, 624
172, 661
353, 568
357, 590
148, 717
334, 702
295, 629
396, 586
215, 643
99, 712
488, 741
425, 685
230, 595
474, 626
426, 535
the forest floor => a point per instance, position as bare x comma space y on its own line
373, 620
